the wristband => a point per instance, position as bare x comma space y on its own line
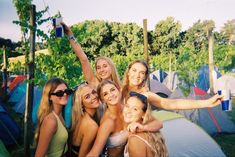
72, 38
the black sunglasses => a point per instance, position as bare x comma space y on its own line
60, 93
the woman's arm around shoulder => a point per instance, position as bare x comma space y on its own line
104, 131
47, 131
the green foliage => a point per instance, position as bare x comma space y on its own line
166, 36
228, 32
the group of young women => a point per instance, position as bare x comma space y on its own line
108, 118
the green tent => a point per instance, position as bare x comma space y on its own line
3, 150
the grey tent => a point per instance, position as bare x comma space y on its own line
159, 88
212, 120
186, 139
158, 75
172, 81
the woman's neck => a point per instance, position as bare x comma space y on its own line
90, 112
57, 109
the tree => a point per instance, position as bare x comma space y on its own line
166, 36
228, 31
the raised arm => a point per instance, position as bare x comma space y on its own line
86, 67
182, 104
104, 132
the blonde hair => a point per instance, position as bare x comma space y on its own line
114, 75
156, 140
46, 105
77, 109
125, 87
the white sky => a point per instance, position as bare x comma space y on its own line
73, 11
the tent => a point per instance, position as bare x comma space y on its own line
185, 139
19, 107
159, 88
3, 150
172, 81
225, 82
17, 79
10, 131
158, 75
17, 92
203, 77
212, 120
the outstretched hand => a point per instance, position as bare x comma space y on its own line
215, 100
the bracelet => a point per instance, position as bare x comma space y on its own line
72, 38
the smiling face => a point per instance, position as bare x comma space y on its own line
89, 97
137, 74
133, 110
103, 69
59, 100
110, 94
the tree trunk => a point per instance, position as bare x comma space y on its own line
211, 65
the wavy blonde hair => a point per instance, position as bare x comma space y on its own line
156, 140
46, 105
114, 76
125, 87
77, 109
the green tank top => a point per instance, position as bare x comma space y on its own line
59, 141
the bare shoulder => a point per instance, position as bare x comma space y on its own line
49, 122
88, 124
133, 140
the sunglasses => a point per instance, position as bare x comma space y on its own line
60, 93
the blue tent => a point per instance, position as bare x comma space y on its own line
10, 131
19, 107
203, 77
17, 92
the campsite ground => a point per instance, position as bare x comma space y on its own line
227, 142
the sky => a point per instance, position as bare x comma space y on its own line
187, 12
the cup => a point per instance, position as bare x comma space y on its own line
226, 103
59, 30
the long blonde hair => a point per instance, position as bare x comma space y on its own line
114, 76
77, 109
46, 105
156, 140
125, 88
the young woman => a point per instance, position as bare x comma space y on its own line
105, 68
84, 127
137, 110
111, 134
51, 135
135, 79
